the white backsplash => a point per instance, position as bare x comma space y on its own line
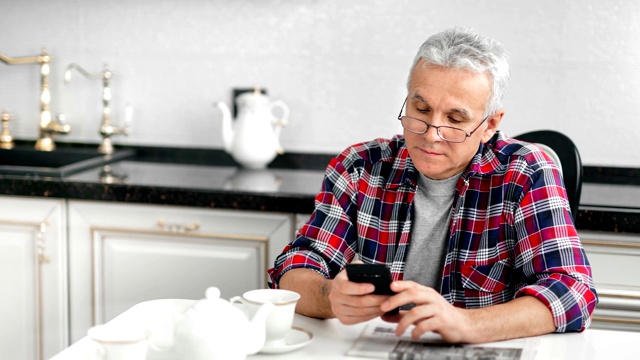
341, 66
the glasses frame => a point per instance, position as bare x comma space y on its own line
467, 134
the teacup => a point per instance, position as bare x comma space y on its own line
280, 319
119, 342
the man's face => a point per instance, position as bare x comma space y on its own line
447, 97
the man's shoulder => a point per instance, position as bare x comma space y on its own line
375, 151
511, 154
521, 150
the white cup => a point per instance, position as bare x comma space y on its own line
280, 319
119, 342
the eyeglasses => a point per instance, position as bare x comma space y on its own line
446, 133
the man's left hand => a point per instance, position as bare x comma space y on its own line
431, 312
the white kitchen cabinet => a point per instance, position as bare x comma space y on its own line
33, 268
123, 254
614, 259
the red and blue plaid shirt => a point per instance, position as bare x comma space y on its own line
511, 230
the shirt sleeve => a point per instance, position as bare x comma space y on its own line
326, 243
550, 254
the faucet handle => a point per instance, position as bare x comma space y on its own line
61, 126
6, 140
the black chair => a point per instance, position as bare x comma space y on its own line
570, 163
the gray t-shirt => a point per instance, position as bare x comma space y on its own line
430, 230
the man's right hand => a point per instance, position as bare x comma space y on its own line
353, 303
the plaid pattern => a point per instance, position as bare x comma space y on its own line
511, 231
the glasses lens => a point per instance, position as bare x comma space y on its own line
452, 134
420, 127
413, 125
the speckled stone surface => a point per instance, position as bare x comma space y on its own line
281, 190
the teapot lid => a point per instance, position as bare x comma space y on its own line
255, 95
214, 307
212, 293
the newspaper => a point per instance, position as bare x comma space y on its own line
378, 341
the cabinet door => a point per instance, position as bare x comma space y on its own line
123, 254
614, 261
33, 305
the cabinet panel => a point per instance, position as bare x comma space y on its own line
614, 259
133, 267
17, 310
123, 254
33, 307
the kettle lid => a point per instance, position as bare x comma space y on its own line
252, 96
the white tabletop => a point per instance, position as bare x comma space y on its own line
331, 340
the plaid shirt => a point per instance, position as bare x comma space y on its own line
511, 231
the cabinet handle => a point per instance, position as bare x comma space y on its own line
41, 243
43, 259
615, 320
615, 244
176, 227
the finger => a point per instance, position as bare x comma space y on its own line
409, 292
425, 325
347, 313
415, 316
344, 286
403, 298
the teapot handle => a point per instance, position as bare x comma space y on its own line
99, 352
284, 119
238, 302
278, 123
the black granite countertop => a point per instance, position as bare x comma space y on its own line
210, 179
281, 190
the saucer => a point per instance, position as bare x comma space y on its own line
296, 338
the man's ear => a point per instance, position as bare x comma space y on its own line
493, 122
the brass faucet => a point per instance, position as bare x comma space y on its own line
107, 129
47, 126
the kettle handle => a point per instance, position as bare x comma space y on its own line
284, 119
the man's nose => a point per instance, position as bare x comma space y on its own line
432, 133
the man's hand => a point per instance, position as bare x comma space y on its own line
352, 302
520, 317
431, 313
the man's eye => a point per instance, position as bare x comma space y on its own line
424, 111
454, 121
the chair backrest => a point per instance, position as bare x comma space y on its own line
567, 158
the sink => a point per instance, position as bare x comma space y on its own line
57, 163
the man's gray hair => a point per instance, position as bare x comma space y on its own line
463, 48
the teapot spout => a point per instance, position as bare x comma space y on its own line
258, 327
227, 127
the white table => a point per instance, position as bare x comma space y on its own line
331, 340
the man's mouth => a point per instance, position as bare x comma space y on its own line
430, 152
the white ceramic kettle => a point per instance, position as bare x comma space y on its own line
214, 329
254, 140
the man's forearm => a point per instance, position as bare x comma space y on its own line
521, 317
313, 289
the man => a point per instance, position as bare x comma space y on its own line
475, 227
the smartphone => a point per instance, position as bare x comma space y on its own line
376, 274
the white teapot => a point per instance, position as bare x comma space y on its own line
214, 329
254, 141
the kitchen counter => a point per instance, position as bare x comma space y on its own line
209, 179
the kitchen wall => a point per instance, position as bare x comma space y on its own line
340, 65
